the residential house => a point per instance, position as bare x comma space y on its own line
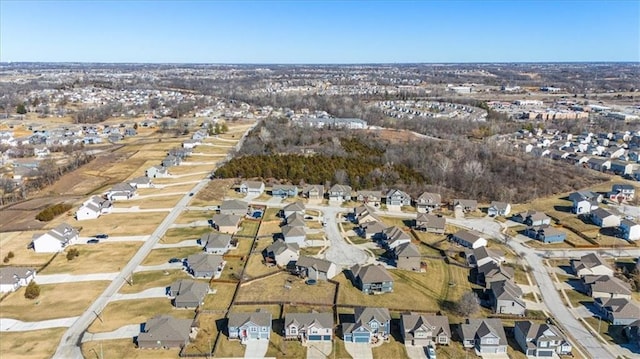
535, 218
371, 278
191, 144
466, 205
371, 198
423, 330
621, 168
622, 192
618, 311
397, 198
295, 207
188, 293
157, 172
430, 223
205, 265
590, 264
372, 230
226, 223
55, 240
492, 272
546, 234
171, 161
309, 327
294, 234
632, 332
486, 336
217, 243
604, 219
501, 209
598, 164
339, 193
364, 214
141, 182
121, 191
235, 207
604, 286
584, 201
12, 278
41, 151
316, 268
469, 239
540, 339
393, 237
164, 332
252, 188
295, 219
284, 191
179, 152
407, 257
483, 255
93, 208
250, 326
370, 325
313, 192
282, 253
629, 230
428, 202
505, 297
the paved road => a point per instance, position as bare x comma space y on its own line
13, 325
83, 240
340, 252
125, 332
73, 278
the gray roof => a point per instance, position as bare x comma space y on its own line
62, 232
339, 188
374, 226
295, 220
297, 206
471, 203
317, 263
260, 317
620, 307
484, 252
499, 205
589, 261
234, 205
429, 198
507, 290
253, 184
407, 250
367, 314
491, 269
534, 331
414, 321
601, 213
468, 236
371, 273
166, 328
226, 219
122, 187
607, 284
482, 327
203, 262
305, 320
280, 246
293, 231
376, 194
394, 233
431, 221
189, 290
215, 240
11, 274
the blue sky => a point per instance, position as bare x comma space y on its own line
319, 31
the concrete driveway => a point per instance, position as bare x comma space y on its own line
416, 351
319, 350
157, 292
72, 278
13, 325
125, 332
359, 350
256, 349
163, 266
495, 356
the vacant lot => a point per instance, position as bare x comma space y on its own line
159, 201
215, 191
94, 258
152, 279
31, 345
193, 216
273, 288
222, 299
122, 224
175, 235
162, 255
123, 348
55, 301
124, 312
17, 243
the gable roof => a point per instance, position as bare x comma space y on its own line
371, 273
318, 264
306, 320
535, 331
253, 184
260, 317
226, 219
215, 240
620, 307
507, 290
279, 246
189, 290
468, 236
589, 261
202, 262
11, 275
607, 284
407, 250
297, 206
429, 198
295, 220
367, 314
483, 327
234, 205
166, 328
431, 221
293, 231
437, 323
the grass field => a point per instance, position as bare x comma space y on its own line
156, 202
123, 348
17, 243
255, 267
215, 191
162, 255
339, 351
124, 312
249, 228
391, 349
188, 216
176, 235
32, 344
222, 299
272, 288
243, 248
203, 344
55, 301
268, 228
119, 224
271, 214
228, 348
232, 269
152, 279
94, 258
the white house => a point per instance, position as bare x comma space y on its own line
629, 230
12, 278
254, 188
121, 191
499, 209
157, 172
56, 239
93, 208
141, 182
604, 219
470, 239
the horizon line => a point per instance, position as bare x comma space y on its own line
321, 63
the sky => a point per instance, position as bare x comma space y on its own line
319, 32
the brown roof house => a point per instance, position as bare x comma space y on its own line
371, 279
423, 330
590, 264
407, 257
164, 332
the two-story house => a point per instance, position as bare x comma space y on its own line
56, 239
372, 198
540, 340
430, 223
250, 326
370, 324
622, 192
604, 219
486, 336
397, 198
423, 330
371, 278
309, 327
339, 193
428, 202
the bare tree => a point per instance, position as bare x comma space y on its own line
468, 304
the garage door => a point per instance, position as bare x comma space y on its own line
315, 337
327, 337
546, 354
362, 340
347, 337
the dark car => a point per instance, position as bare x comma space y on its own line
175, 260
190, 194
102, 236
93, 241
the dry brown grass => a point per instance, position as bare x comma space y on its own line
125, 312
152, 279
268, 228
228, 348
162, 255
272, 288
254, 266
176, 235
188, 216
203, 344
222, 299
121, 224
32, 344
17, 243
55, 301
243, 249
215, 191
156, 202
123, 348
95, 258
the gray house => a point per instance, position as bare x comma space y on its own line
428, 202
284, 191
205, 265
423, 330
339, 193
253, 188
313, 192
234, 207
372, 198
216, 242
250, 326
309, 327
396, 197
371, 278
430, 223
407, 257
484, 335
493, 272
294, 234
282, 253
164, 332
505, 297
295, 207
540, 340
370, 325
316, 268
188, 293
618, 311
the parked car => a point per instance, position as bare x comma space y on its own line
431, 352
102, 236
93, 241
175, 260
190, 194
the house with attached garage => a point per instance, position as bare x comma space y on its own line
393, 237
284, 191
618, 311
423, 330
621, 168
540, 340
622, 193
203, 265
428, 202
372, 230
295, 207
165, 332
250, 326
157, 172
188, 293
584, 201
591, 264
371, 279
604, 219
315, 268
171, 161
141, 182
372, 198
535, 218
120, 192
363, 214
295, 219
465, 205
397, 198
12, 278
369, 326
429, 223
235, 207
55, 240
632, 332
483, 255
93, 208
282, 253
505, 297
309, 327
492, 272
339, 193
469, 239
407, 257
226, 223
252, 188
598, 164
629, 230
314, 192
486, 336
217, 243
604, 286
545, 234
501, 209
294, 234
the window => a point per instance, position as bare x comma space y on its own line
544, 344
374, 325
253, 329
293, 330
442, 339
264, 329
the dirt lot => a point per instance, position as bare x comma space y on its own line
22, 216
31, 345
273, 288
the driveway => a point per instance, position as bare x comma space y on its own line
415, 351
495, 356
187, 243
72, 278
359, 350
319, 350
157, 292
125, 332
162, 266
256, 349
13, 325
